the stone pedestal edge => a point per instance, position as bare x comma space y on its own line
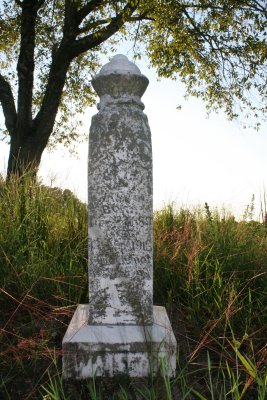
108, 350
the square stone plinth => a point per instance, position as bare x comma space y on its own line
108, 350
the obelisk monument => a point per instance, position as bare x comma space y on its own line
120, 331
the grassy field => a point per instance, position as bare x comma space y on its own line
210, 272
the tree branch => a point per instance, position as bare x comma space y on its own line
37, 3
95, 24
8, 105
70, 23
87, 9
201, 6
255, 5
25, 66
44, 121
196, 26
95, 39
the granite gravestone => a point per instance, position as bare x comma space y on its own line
120, 331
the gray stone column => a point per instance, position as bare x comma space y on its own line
119, 331
120, 199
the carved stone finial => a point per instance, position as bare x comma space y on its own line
120, 81
120, 65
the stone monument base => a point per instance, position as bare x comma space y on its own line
108, 350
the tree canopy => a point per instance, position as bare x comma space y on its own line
49, 49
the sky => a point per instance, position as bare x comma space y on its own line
196, 159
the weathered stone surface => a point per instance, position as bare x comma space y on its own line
119, 331
120, 200
107, 350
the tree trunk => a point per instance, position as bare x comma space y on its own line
24, 156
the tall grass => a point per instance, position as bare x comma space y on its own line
43, 262
210, 271
42, 240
